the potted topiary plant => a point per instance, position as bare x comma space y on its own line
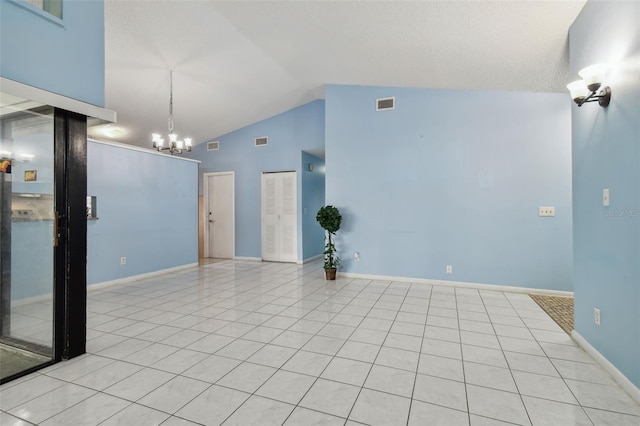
330, 219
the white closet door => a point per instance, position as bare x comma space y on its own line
270, 249
279, 217
288, 218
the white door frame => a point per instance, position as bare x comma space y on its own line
205, 217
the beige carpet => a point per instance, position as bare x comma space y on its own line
560, 309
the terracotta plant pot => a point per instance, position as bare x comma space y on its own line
330, 274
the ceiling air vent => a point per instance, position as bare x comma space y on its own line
384, 104
213, 146
262, 141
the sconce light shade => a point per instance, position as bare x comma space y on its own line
589, 88
578, 90
593, 75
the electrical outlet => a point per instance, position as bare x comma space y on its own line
596, 315
123, 260
605, 197
546, 211
449, 269
356, 256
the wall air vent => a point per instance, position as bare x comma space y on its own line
384, 104
213, 146
262, 141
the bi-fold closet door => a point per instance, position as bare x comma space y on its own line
279, 217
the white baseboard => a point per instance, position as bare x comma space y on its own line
98, 286
309, 259
33, 299
478, 286
249, 259
616, 374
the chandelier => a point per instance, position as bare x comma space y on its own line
175, 146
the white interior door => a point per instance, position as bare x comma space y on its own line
219, 215
279, 218
288, 218
270, 243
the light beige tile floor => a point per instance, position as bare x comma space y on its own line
247, 343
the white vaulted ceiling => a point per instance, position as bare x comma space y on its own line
238, 62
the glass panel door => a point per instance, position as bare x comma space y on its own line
27, 221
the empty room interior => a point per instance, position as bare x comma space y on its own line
319, 212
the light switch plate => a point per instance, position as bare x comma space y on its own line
605, 197
546, 211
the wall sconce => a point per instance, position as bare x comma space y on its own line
588, 89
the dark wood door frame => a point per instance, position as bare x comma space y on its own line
70, 139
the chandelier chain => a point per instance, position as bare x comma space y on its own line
175, 146
170, 101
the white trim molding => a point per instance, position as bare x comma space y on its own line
34, 299
141, 149
616, 374
125, 280
248, 259
309, 259
478, 286
31, 93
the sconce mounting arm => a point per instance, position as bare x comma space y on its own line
603, 98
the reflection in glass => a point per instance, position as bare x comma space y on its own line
26, 235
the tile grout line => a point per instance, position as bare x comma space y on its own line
505, 358
424, 330
297, 351
464, 370
252, 288
338, 351
549, 359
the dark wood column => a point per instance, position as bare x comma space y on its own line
71, 254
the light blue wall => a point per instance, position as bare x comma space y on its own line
289, 134
606, 154
62, 56
452, 178
147, 206
312, 200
